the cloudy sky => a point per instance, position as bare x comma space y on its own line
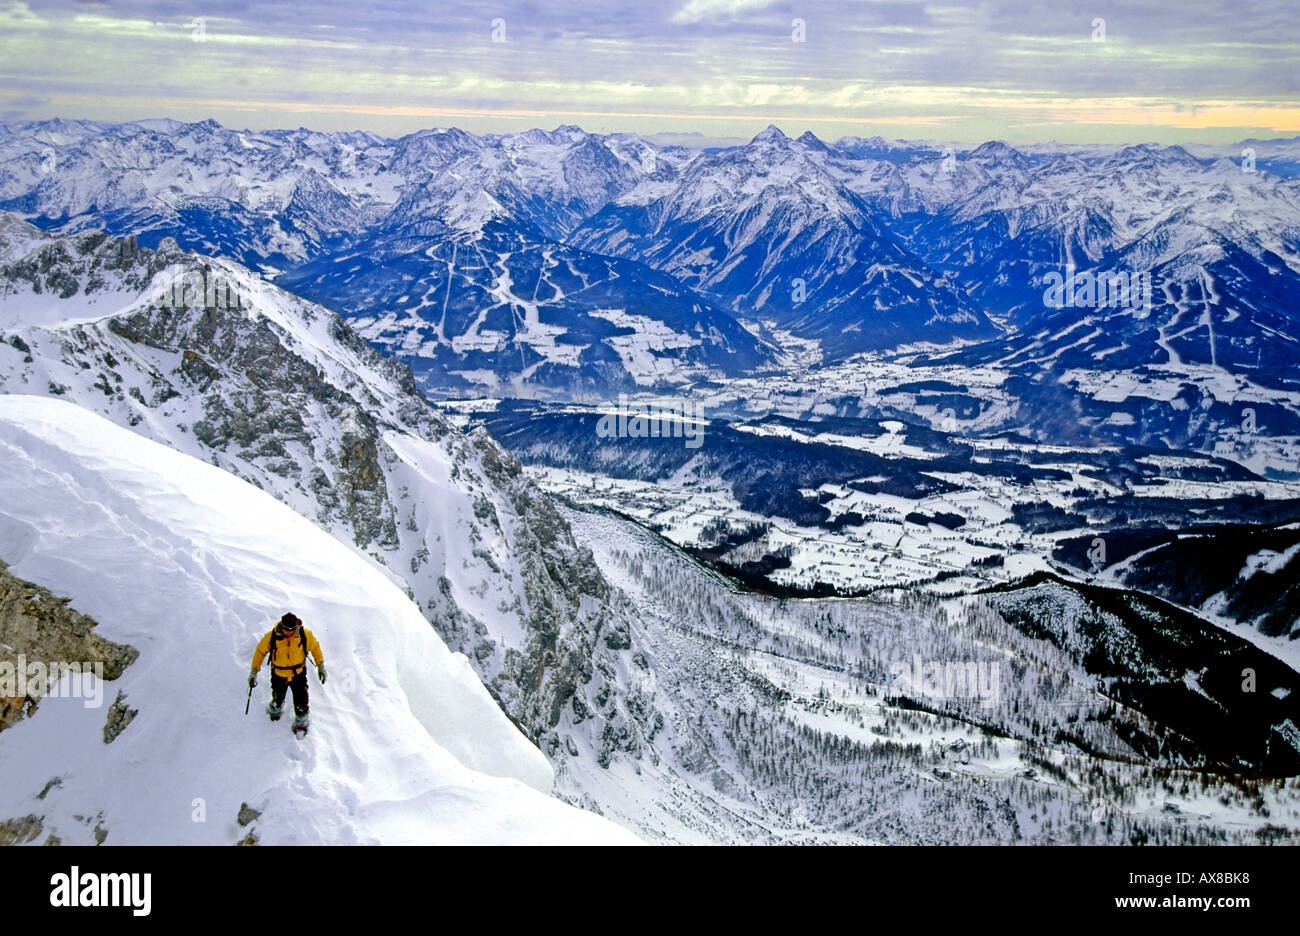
1173, 70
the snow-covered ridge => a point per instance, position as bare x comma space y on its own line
191, 565
282, 393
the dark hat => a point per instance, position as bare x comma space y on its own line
289, 621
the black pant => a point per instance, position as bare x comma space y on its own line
297, 683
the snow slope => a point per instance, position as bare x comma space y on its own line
191, 565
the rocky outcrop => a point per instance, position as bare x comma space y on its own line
119, 716
20, 831
36, 626
86, 263
567, 671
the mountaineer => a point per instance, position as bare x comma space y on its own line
288, 644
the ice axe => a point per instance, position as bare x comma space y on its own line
249, 701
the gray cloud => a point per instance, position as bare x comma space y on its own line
970, 68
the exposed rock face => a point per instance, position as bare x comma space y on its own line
119, 716
85, 263
263, 403
20, 831
40, 627
568, 670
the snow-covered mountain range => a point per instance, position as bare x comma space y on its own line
445, 248
771, 230
578, 264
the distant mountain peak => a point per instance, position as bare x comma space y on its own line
772, 134
1154, 153
997, 150
812, 141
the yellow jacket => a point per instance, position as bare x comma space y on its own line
290, 652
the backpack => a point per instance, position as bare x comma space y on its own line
302, 637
